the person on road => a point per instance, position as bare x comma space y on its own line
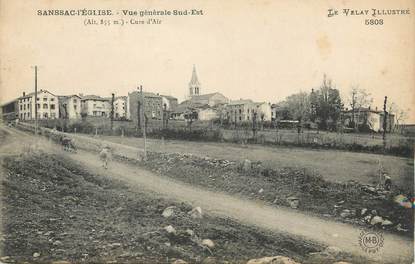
105, 156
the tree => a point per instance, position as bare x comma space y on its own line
358, 99
400, 115
298, 106
328, 104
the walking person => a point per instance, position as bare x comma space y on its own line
105, 156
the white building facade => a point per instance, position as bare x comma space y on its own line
47, 106
93, 105
120, 107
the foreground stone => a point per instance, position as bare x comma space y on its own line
168, 212
273, 260
179, 261
196, 213
170, 229
208, 243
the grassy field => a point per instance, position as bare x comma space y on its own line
395, 144
333, 165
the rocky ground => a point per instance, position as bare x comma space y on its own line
351, 202
57, 212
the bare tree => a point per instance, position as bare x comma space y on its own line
400, 115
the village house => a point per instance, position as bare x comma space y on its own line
70, 106
120, 107
195, 112
211, 99
93, 105
263, 110
372, 119
152, 105
9, 111
240, 110
244, 109
170, 103
47, 105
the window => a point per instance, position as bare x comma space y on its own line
52, 107
74, 107
37, 99
74, 100
53, 115
45, 106
45, 115
45, 99
240, 111
21, 116
24, 107
52, 99
38, 106
21, 107
240, 118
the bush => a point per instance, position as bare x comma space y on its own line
82, 127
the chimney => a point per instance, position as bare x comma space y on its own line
376, 108
24, 93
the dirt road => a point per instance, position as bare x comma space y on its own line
333, 165
395, 249
346, 237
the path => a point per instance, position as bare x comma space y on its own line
346, 237
396, 249
333, 165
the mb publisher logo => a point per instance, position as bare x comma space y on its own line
370, 241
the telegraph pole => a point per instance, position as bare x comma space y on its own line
385, 116
112, 111
36, 128
143, 121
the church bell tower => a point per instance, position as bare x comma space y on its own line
194, 85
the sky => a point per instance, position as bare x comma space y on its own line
262, 50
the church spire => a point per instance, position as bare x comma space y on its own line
194, 80
194, 84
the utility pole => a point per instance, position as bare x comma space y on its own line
112, 111
143, 122
385, 116
165, 117
36, 128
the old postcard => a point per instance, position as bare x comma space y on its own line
240, 131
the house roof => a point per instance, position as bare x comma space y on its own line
206, 96
187, 106
241, 102
169, 97
33, 93
68, 96
146, 94
93, 97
